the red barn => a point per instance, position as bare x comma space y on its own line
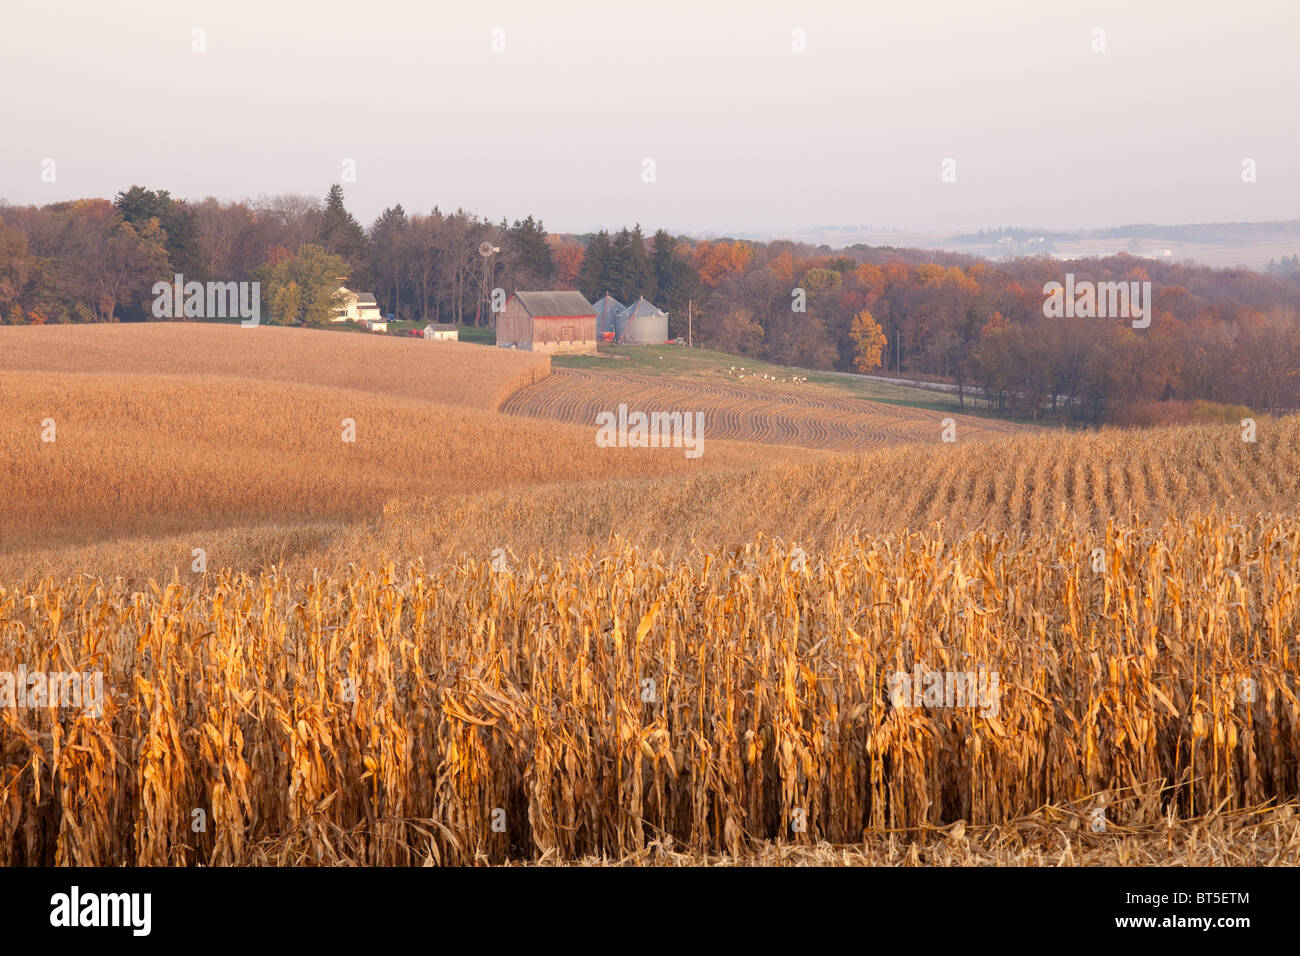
556, 322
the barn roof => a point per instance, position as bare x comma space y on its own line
541, 304
641, 309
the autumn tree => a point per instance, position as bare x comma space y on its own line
738, 333
229, 240
567, 259
715, 261
18, 270
303, 288
105, 262
869, 342
175, 218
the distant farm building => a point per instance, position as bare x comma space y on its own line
357, 307
375, 325
442, 332
556, 322
643, 324
608, 312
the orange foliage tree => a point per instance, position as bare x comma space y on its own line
869, 339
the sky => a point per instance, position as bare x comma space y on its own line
702, 117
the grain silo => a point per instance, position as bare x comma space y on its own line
643, 324
609, 311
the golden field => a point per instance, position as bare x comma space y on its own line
155, 457
593, 707
449, 373
473, 637
1031, 481
772, 414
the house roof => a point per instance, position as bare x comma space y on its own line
641, 308
539, 304
441, 327
367, 298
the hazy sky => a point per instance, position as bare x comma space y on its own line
745, 133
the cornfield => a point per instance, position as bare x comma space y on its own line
449, 373
732, 411
533, 709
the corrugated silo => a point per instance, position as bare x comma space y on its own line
643, 324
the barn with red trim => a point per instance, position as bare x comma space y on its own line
555, 322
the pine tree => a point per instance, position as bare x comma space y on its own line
593, 276
631, 272
341, 235
390, 257
528, 255
676, 280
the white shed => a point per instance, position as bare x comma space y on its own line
441, 332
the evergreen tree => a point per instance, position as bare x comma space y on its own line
594, 276
390, 248
677, 282
341, 235
631, 272
138, 205
528, 256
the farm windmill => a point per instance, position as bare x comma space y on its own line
487, 251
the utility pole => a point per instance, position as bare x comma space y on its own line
690, 324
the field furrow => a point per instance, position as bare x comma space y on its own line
732, 411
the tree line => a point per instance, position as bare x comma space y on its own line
1224, 336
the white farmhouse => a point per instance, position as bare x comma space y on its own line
357, 307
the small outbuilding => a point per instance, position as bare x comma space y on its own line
442, 332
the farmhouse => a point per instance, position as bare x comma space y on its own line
441, 332
556, 322
356, 306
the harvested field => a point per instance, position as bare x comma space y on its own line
151, 456
451, 373
809, 419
